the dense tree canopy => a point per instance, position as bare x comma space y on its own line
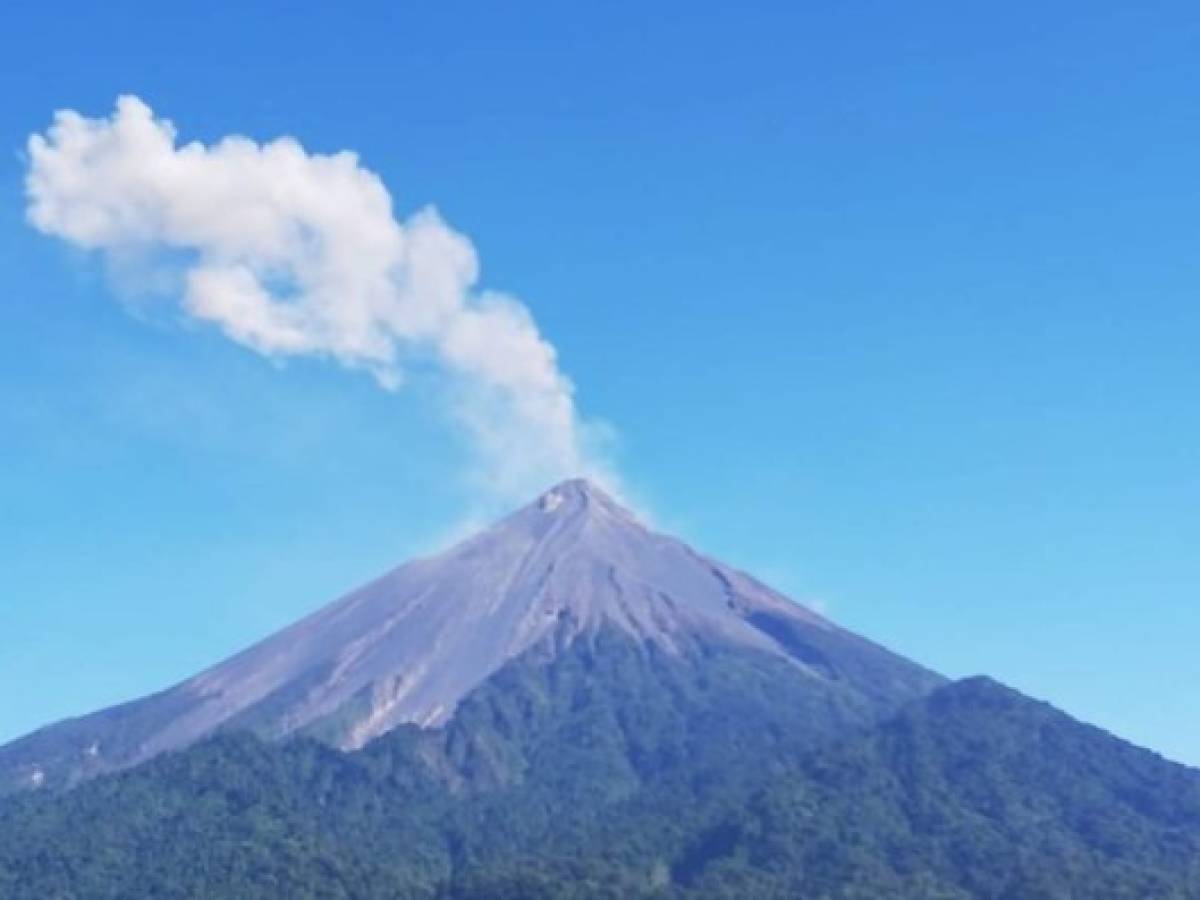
616, 772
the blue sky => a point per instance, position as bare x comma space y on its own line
896, 306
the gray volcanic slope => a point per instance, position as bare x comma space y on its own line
407, 647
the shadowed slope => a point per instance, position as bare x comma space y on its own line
974, 793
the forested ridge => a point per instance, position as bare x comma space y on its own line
613, 772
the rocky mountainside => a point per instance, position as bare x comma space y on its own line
409, 646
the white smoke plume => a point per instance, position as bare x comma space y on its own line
293, 253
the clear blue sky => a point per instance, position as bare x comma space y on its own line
896, 305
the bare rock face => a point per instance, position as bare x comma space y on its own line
407, 647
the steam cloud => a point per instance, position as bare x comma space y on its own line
298, 254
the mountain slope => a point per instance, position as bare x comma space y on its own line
409, 646
626, 775
607, 743
973, 792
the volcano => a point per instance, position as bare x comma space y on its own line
407, 647
570, 705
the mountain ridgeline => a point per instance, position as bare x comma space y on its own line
570, 705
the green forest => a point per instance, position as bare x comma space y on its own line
610, 772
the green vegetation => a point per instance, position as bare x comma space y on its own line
974, 792
614, 771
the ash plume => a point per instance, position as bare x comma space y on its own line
292, 253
